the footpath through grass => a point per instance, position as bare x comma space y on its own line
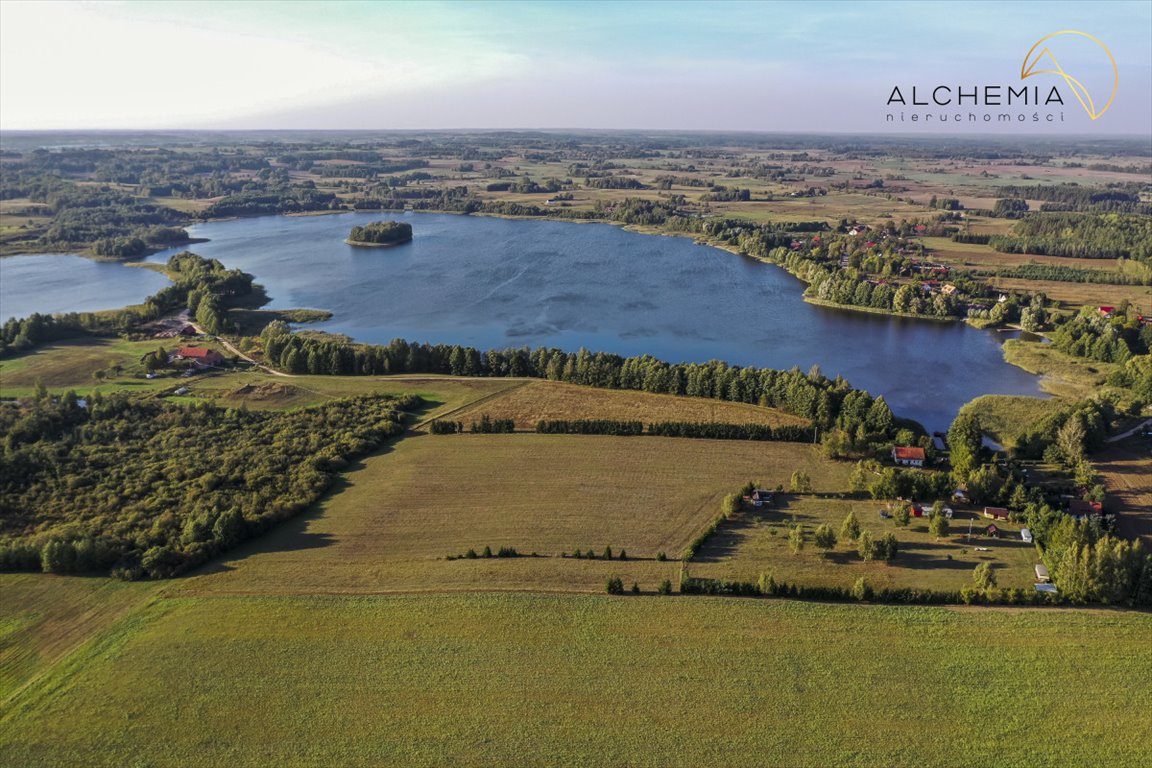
550, 680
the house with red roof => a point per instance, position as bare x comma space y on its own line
200, 356
908, 457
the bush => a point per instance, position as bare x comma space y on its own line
615, 586
665, 587
862, 590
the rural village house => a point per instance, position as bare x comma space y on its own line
908, 457
199, 356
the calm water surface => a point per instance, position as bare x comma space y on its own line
51, 283
494, 283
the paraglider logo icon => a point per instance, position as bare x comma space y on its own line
1046, 58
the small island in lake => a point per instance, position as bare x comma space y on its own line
380, 234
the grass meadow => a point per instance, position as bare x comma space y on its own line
397, 516
1006, 417
538, 400
570, 680
755, 542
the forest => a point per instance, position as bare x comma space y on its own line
143, 489
1080, 235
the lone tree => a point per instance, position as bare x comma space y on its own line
887, 548
825, 537
801, 483
938, 525
984, 577
965, 439
850, 528
902, 515
865, 546
796, 538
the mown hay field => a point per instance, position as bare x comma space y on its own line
538, 400
396, 517
572, 680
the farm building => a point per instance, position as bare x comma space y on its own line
1042, 573
908, 457
1081, 509
996, 513
992, 531
200, 356
1026, 535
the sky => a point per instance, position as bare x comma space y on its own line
748, 66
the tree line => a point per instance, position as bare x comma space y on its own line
826, 402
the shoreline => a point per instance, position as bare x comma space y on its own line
361, 244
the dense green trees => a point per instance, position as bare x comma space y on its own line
1108, 339
382, 233
1088, 565
150, 490
1080, 235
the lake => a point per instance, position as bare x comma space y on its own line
52, 283
495, 283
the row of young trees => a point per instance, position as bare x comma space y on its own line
149, 490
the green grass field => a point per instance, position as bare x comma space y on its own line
1006, 417
1061, 374
549, 680
538, 400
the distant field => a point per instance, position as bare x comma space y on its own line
556, 400
551, 680
73, 364
1078, 294
830, 208
397, 518
985, 257
756, 542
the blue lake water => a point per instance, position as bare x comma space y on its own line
495, 283
52, 283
